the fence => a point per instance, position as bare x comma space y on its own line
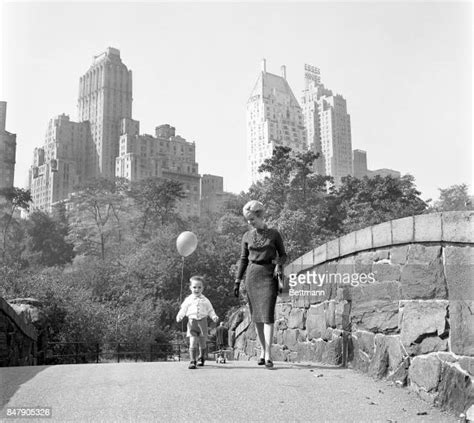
88, 352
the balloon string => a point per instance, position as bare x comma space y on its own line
181, 292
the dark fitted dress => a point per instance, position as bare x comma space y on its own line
261, 251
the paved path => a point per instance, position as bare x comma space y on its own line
235, 391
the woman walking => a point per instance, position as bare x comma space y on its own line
263, 255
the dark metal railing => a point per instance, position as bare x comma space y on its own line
93, 352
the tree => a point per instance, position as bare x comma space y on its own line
96, 212
369, 201
47, 240
157, 200
13, 199
455, 197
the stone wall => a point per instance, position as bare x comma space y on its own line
17, 338
410, 319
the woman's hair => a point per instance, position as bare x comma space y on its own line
197, 278
253, 207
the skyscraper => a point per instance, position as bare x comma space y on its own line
105, 97
328, 127
7, 151
106, 142
274, 117
359, 166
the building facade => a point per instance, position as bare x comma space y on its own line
359, 163
213, 196
7, 151
106, 142
105, 98
328, 127
359, 166
60, 164
274, 117
165, 155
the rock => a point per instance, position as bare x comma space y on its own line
279, 353
296, 318
366, 342
331, 313
467, 364
375, 307
305, 351
250, 348
290, 338
301, 335
342, 315
395, 351
278, 337
251, 332
280, 324
282, 310
423, 275
461, 319
421, 318
429, 345
358, 359
447, 356
455, 391
459, 264
378, 366
319, 350
386, 272
333, 352
31, 310
400, 374
425, 372
399, 255
316, 321
328, 334
292, 357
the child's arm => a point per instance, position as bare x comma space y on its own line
212, 314
182, 310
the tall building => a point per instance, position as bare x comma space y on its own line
328, 127
60, 164
106, 142
359, 166
359, 163
213, 196
7, 150
274, 117
105, 98
165, 155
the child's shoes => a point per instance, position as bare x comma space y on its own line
192, 365
200, 361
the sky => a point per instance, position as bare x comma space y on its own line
404, 68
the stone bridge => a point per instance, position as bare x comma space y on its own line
394, 301
18, 338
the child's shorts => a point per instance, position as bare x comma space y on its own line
197, 327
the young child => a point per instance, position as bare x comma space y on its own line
196, 307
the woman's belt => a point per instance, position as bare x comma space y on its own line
261, 262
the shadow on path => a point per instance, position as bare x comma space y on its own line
278, 366
11, 378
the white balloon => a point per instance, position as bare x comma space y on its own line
186, 243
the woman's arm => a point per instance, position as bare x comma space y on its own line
280, 247
244, 258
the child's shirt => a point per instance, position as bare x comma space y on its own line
196, 307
